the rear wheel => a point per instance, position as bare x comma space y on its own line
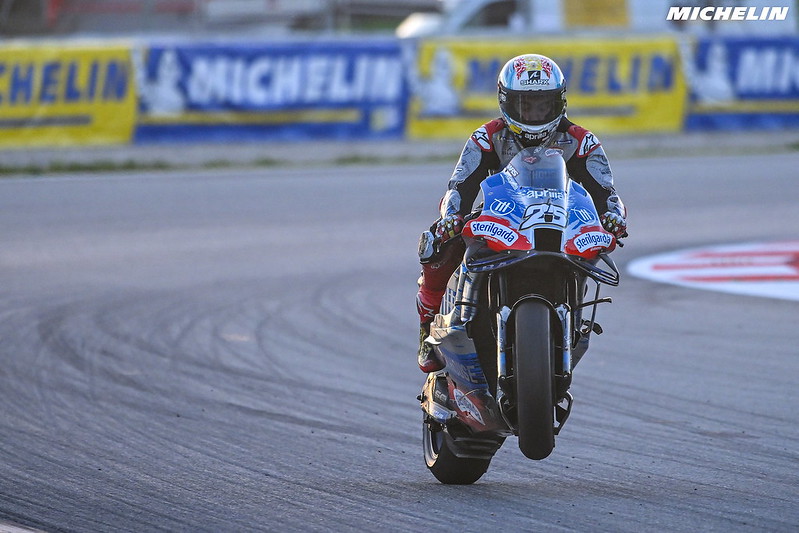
442, 461
534, 371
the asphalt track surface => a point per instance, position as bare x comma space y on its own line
234, 350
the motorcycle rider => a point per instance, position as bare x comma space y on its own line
532, 102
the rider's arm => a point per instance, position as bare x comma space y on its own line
593, 172
590, 168
477, 160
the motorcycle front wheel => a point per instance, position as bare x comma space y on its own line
534, 371
443, 463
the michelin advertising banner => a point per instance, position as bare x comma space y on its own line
106, 92
613, 86
737, 83
66, 94
284, 91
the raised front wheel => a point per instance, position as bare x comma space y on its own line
533, 351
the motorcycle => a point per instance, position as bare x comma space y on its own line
510, 328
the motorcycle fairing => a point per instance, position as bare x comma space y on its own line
498, 234
453, 345
469, 388
467, 383
584, 235
512, 213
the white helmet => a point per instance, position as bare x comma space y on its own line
532, 97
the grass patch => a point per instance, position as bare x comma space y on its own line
226, 163
217, 163
90, 167
407, 160
100, 166
267, 162
356, 160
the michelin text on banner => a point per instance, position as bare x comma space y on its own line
613, 86
270, 90
57, 94
742, 83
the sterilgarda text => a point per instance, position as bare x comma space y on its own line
495, 230
592, 239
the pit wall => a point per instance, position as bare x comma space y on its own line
120, 92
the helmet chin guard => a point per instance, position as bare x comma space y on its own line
533, 138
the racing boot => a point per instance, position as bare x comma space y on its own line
427, 358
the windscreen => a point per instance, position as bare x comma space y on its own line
542, 169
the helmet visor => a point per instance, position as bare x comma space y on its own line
532, 107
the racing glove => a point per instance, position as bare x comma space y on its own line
449, 227
614, 223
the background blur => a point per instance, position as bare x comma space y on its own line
118, 72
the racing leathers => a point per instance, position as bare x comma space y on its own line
488, 150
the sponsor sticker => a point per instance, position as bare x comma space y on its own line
480, 137
502, 206
584, 215
544, 193
587, 145
494, 230
466, 405
534, 78
592, 239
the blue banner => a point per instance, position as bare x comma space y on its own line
742, 83
287, 91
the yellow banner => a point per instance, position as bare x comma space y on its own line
595, 13
66, 94
613, 86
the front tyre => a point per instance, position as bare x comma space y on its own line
534, 371
443, 463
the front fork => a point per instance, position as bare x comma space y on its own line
564, 399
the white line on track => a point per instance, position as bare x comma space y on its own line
769, 269
6, 527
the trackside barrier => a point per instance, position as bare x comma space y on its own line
742, 83
302, 90
66, 93
116, 92
613, 86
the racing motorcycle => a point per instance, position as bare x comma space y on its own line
511, 327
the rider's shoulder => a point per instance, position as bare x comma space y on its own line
484, 135
584, 139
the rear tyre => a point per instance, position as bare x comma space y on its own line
534, 371
442, 461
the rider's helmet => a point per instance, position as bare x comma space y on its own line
532, 97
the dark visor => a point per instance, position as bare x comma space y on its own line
533, 107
